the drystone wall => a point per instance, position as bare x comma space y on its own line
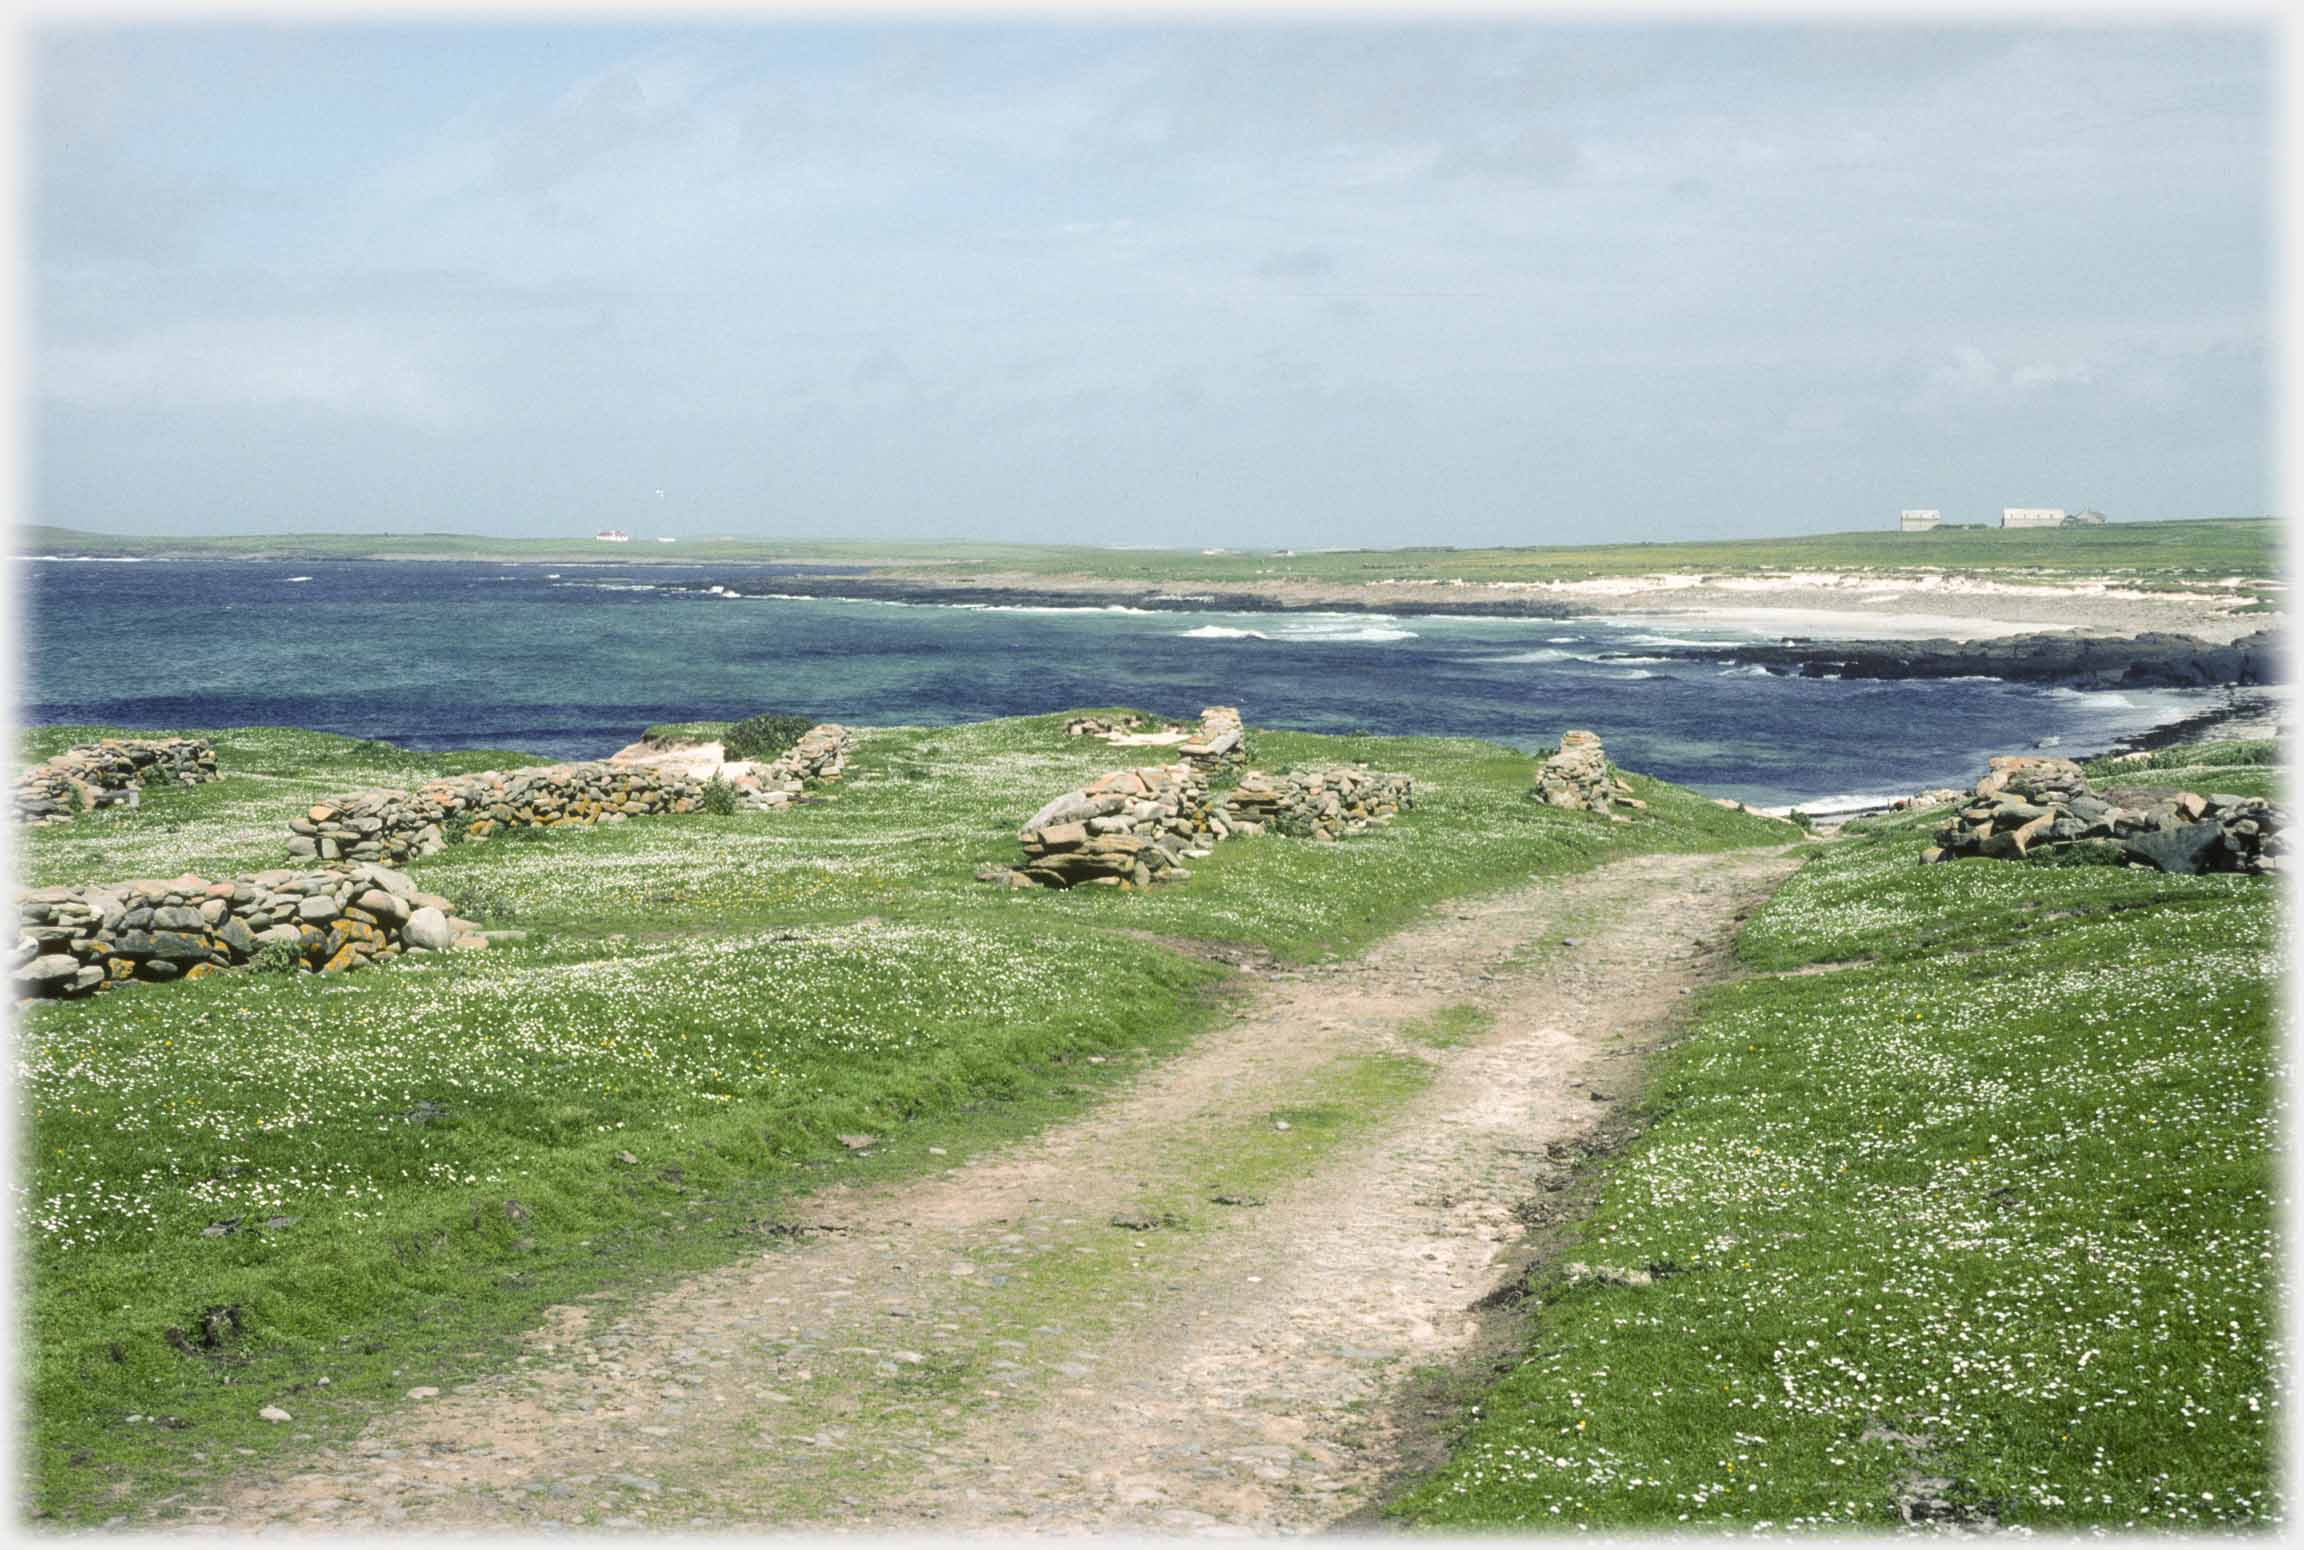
392, 826
1321, 804
73, 941
87, 776
2027, 803
1128, 829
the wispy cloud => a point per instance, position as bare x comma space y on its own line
1275, 282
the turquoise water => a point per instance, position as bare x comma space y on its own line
573, 661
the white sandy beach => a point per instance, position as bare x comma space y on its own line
1835, 605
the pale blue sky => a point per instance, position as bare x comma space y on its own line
1277, 284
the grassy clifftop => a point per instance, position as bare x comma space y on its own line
356, 1178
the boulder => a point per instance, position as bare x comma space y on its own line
48, 975
2182, 848
428, 928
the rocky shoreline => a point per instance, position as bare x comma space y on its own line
1146, 599
2152, 660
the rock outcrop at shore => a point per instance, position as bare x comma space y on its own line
87, 776
1317, 804
74, 941
2027, 804
1577, 778
392, 826
2153, 660
1128, 829
1182, 598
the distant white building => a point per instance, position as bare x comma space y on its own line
2085, 519
1918, 521
667, 540
612, 535
2031, 516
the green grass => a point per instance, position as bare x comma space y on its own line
1450, 1027
2180, 552
688, 731
1996, 1208
719, 998
2247, 769
2249, 754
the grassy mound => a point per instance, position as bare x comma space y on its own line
384, 1178
1984, 1224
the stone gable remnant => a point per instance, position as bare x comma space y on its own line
1578, 778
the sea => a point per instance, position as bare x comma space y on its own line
573, 660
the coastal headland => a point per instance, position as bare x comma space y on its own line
2216, 579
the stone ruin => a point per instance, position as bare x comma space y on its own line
394, 826
1578, 778
114, 770
1134, 828
353, 908
73, 941
820, 756
2027, 803
1322, 804
1218, 741
1128, 829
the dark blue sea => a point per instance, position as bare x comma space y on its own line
572, 661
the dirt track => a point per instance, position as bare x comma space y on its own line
989, 1348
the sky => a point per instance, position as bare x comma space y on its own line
1340, 283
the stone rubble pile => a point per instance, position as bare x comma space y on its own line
1128, 829
1221, 740
821, 755
2027, 803
1101, 726
1218, 741
1578, 778
87, 776
1922, 801
72, 941
1321, 804
392, 826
